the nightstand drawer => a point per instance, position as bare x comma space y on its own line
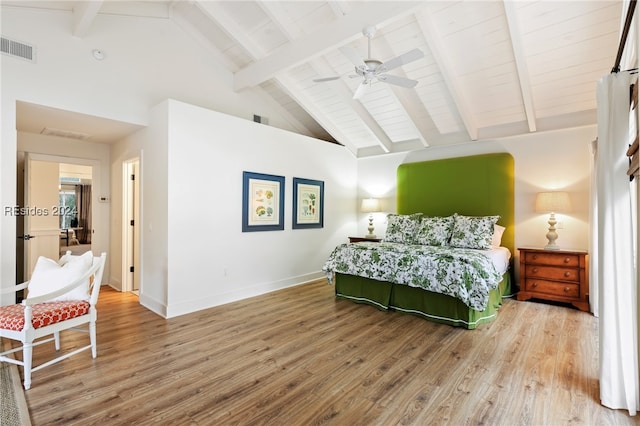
552, 287
556, 259
552, 273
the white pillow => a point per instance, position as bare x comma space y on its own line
498, 230
48, 276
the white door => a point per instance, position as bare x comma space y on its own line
40, 212
136, 227
131, 218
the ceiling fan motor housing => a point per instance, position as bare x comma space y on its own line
371, 68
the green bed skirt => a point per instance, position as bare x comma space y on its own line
432, 306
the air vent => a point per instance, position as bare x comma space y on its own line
65, 134
17, 49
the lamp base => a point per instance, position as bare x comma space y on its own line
370, 228
552, 236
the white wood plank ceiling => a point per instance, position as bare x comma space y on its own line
490, 68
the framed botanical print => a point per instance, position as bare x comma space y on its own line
262, 202
308, 203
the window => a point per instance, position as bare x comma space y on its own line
68, 212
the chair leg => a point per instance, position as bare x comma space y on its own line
56, 339
92, 337
27, 352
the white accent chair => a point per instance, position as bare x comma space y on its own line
39, 316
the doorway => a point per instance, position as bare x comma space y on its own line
131, 226
51, 188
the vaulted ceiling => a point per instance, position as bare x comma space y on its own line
487, 69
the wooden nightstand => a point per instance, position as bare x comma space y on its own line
558, 275
359, 239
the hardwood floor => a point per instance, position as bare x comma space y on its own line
300, 357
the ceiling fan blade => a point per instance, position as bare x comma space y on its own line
405, 58
323, 79
353, 56
361, 90
398, 81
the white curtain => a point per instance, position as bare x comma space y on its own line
593, 234
614, 254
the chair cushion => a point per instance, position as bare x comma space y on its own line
12, 316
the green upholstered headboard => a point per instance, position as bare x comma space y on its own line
479, 185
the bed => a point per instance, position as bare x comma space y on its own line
475, 186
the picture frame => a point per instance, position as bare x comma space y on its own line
262, 202
308, 203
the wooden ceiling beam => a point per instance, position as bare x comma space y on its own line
215, 12
409, 101
331, 36
84, 13
438, 50
521, 63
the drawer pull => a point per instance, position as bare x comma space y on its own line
567, 259
534, 270
534, 285
566, 289
535, 257
567, 274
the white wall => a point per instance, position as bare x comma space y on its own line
150, 145
195, 254
543, 161
211, 261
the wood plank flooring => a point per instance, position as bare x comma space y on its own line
300, 357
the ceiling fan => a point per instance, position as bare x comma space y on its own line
372, 69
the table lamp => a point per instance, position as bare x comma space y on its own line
370, 205
552, 202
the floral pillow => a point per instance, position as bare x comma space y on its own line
475, 232
434, 231
402, 228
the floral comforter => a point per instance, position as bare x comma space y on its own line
465, 274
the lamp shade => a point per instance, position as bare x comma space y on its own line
370, 205
557, 201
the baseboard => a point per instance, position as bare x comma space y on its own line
153, 305
115, 284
